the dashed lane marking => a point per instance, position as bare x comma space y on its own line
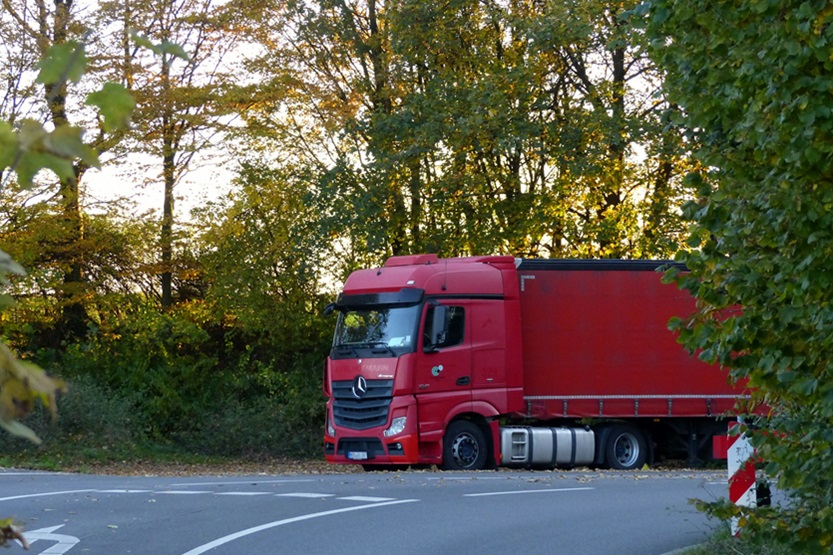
241, 482
46, 494
554, 490
305, 495
182, 492
123, 491
367, 499
31, 473
243, 493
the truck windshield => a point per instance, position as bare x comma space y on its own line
385, 331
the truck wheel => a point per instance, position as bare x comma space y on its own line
626, 448
464, 447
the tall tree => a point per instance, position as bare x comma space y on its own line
179, 90
473, 126
32, 28
754, 80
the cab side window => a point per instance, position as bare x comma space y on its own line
455, 326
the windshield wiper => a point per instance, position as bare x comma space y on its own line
346, 348
376, 345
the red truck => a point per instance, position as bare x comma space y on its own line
470, 363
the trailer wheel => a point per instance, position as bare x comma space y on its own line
626, 448
464, 447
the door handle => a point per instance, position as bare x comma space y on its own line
465, 380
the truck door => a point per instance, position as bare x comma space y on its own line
443, 369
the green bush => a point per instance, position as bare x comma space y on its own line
90, 415
261, 427
186, 379
723, 543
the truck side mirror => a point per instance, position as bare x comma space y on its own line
329, 309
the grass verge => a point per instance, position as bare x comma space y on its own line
723, 543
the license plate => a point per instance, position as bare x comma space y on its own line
357, 455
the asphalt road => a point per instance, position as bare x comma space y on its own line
552, 513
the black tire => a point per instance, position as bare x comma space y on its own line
464, 447
626, 448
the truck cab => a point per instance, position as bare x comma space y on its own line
420, 344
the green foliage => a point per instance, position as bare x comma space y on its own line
91, 415
160, 361
753, 80
285, 423
8, 266
225, 388
473, 128
113, 256
261, 249
723, 543
237, 364
161, 49
116, 105
65, 62
57, 150
8, 145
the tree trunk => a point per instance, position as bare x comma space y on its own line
168, 175
74, 318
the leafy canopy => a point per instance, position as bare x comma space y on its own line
754, 81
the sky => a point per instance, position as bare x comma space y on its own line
208, 182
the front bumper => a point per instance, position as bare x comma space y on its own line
401, 449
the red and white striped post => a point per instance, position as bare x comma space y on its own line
742, 482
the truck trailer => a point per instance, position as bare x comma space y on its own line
476, 362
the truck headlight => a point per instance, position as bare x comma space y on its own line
330, 429
397, 425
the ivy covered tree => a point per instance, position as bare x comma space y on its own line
754, 82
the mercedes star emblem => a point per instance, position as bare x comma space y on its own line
359, 387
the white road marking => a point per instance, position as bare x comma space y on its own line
240, 483
243, 493
237, 535
48, 493
64, 542
524, 491
460, 478
31, 473
123, 490
305, 495
366, 499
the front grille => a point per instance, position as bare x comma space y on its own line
360, 414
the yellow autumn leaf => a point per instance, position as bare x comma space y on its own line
21, 384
